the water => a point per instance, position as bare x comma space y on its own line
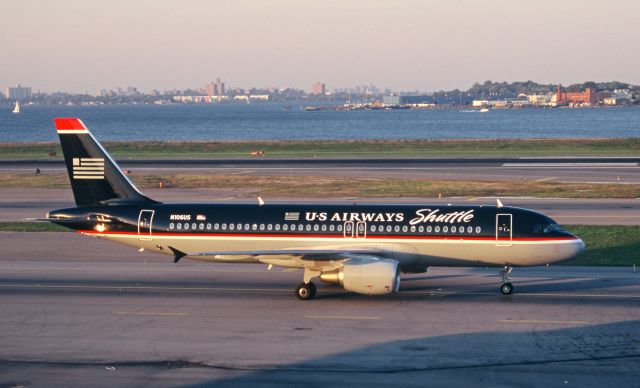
270, 121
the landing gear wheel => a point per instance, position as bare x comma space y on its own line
506, 288
306, 291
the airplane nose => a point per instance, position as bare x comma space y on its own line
578, 246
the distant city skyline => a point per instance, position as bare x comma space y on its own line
77, 46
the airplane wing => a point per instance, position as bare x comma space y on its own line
301, 254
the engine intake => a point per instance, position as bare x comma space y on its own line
374, 277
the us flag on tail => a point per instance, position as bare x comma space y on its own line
88, 168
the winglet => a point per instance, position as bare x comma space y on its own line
70, 125
177, 255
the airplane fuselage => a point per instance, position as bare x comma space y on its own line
418, 236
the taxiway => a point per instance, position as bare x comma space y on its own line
79, 311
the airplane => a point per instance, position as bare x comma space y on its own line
363, 248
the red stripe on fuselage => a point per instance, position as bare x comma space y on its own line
312, 236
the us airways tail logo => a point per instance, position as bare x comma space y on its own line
88, 168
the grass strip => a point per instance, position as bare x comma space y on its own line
607, 245
348, 148
322, 187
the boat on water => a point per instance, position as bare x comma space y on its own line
16, 108
484, 110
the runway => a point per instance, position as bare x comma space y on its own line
78, 311
571, 169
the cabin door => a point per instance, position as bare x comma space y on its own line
144, 225
361, 229
504, 235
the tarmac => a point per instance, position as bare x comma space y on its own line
621, 170
78, 311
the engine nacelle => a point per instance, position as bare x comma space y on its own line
379, 277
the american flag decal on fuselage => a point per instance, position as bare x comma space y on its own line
88, 168
292, 216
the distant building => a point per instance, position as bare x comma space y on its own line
589, 96
215, 88
319, 89
18, 92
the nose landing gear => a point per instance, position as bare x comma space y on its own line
506, 288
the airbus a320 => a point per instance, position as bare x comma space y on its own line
363, 248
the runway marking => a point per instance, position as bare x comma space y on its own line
287, 290
570, 165
546, 179
151, 313
355, 318
543, 294
543, 321
153, 288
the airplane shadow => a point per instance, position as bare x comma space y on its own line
585, 356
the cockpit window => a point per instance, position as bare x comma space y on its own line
547, 228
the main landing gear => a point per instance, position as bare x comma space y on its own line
506, 288
306, 291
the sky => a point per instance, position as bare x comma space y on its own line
85, 45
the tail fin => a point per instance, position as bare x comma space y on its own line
95, 177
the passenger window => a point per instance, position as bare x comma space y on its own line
216, 226
201, 226
186, 225
436, 229
332, 227
469, 229
171, 225
389, 228
285, 227
224, 226
340, 228
478, 229
246, 226
396, 228
262, 227
277, 226
254, 227
421, 229
269, 227
445, 229
316, 227
429, 229
208, 226
193, 226
404, 229
179, 226
413, 229
324, 227
308, 228
453, 229
373, 228
232, 226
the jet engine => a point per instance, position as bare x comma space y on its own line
369, 277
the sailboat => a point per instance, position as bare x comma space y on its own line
16, 109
